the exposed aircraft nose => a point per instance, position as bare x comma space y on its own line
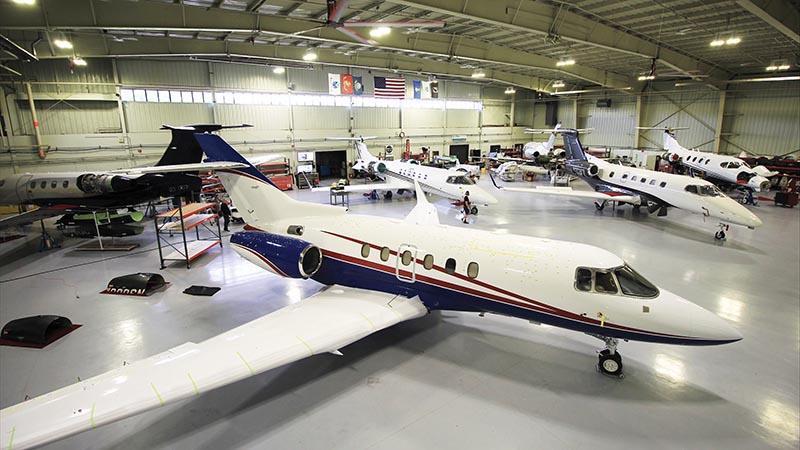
729, 210
685, 318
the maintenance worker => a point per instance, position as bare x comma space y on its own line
467, 207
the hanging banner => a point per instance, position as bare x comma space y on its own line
358, 86
417, 85
426, 90
347, 84
434, 89
334, 84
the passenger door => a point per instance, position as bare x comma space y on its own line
406, 263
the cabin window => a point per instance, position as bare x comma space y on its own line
611, 175
43, 184
450, 266
385, 254
53, 184
652, 182
663, 184
33, 184
406, 257
583, 280
624, 176
427, 262
459, 179
634, 284
633, 178
691, 188
365, 250
644, 179
604, 283
708, 160
472, 270
65, 184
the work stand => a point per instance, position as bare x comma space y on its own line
182, 219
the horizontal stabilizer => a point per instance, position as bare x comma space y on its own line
203, 128
203, 166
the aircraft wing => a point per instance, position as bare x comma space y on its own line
516, 160
391, 184
423, 213
193, 167
324, 322
27, 217
764, 172
569, 192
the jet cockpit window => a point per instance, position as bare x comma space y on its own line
459, 179
618, 281
633, 284
704, 190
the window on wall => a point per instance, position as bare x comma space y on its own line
175, 96
152, 95
139, 95
163, 96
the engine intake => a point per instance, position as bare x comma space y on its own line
286, 256
376, 167
104, 183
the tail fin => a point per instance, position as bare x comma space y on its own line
671, 144
183, 149
363, 152
551, 141
259, 202
572, 146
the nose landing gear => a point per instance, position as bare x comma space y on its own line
609, 360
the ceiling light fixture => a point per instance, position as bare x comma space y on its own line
717, 43
478, 74
62, 43
726, 38
510, 90
565, 62
784, 67
380, 32
733, 40
646, 77
558, 84
778, 64
78, 61
25, 2
278, 70
310, 56
772, 68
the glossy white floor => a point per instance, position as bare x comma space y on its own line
448, 380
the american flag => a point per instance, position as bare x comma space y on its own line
386, 87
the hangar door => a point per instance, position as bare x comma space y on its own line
461, 152
331, 164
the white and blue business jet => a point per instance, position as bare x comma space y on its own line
380, 272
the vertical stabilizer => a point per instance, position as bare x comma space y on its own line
551, 141
671, 145
259, 202
363, 152
572, 146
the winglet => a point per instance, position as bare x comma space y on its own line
424, 213
494, 182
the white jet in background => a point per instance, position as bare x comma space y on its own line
726, 169
400, 175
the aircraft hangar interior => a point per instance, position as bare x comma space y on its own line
451, 224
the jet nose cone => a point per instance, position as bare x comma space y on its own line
709, 326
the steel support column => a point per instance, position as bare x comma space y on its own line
720, 121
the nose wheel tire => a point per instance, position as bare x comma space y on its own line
719, 235
474, 210
610, 364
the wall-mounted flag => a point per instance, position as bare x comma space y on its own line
434, 89
334, 84
417, 84
347, 84
358, 86
386, 87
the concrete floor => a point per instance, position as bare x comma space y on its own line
448, 380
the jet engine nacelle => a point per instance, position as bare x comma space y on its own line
592, 170
755, 182
284, 255
376, 167
91, 183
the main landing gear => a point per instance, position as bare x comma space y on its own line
720, 235
609, 359
474, 211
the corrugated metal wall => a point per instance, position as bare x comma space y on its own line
162, 73
98, 71
696, 110
763, 121
613, 126
240, 76
148, 117
59, 118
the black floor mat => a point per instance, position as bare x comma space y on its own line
201, 290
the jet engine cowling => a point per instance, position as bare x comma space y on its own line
284, 255
376, 167
91, 183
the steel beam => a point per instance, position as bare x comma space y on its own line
536, 17
164, 17
779, 14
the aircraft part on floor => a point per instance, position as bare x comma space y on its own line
205, 291
140, 284
36, 331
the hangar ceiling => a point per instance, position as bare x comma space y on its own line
518, 42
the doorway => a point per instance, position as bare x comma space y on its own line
331, 164
461, 152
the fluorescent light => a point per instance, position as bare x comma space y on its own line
310, 56
478, 74
558, 84
510, 90
717, 42
380, 32
733, 40
25, 2
771, 68
278, 70
565, 62
784, 67
646, 77
62, 43
78, 61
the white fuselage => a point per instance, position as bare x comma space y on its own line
29, 187
728, 169
672, 190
